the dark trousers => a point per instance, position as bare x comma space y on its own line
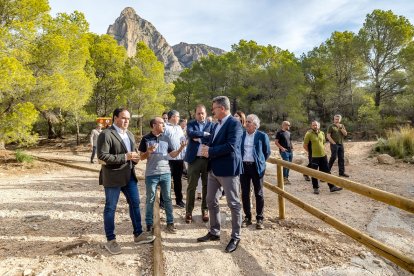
337, 150
250, 173
320, 163
309, 156
196, 170
93, 153
176, 167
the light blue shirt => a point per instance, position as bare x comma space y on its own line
219, 125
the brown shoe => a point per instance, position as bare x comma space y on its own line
188, 218
204, 214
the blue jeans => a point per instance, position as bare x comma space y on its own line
287, 156
111, 200
151, 182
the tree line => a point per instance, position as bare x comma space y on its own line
367, 77
54, 70
57, 73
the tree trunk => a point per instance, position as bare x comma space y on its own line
2, 145
77, 133
234, 105
51, 131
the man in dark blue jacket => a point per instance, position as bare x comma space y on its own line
255, 150
225, 166
198, 132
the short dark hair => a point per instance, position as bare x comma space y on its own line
172, 113
200, 106
152, 122
117, 111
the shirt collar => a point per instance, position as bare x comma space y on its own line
222, 121
120, 131
251, 134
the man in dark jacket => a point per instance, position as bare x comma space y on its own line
225, 166
198, 132
116, 149
255, 149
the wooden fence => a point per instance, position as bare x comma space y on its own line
403, 203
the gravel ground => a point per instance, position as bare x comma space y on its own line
51, 224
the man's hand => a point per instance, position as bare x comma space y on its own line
183, 144
132, 156
204, 150
152, 148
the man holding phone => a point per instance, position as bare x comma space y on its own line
158, 149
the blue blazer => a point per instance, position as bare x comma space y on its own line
193, 131
225, 149
261, 150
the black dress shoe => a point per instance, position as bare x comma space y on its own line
181, 204
344, 175
232, 246
335, 189
208, 237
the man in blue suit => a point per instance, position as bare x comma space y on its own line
198, 132
225, 166
255, 151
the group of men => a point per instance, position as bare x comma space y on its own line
223, 155
314, 145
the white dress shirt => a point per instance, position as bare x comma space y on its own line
248, 147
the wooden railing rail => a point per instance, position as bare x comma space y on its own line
387, 252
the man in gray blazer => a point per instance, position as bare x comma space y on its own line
116, 149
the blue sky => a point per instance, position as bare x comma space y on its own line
296, 25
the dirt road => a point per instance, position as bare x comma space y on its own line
51, 224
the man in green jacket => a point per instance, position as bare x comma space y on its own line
319, 158
336, 134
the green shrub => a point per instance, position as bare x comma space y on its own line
399, 143
22, 157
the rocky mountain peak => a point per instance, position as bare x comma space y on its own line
129, 13
129, 29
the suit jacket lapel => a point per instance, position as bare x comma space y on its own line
132, 139
221, 129
115, 133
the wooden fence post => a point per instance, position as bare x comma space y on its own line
281, 200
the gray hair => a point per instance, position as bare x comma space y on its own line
255, 120
338, 116
172, 113
223, 101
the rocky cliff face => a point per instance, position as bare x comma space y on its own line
188, 53
129, 29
